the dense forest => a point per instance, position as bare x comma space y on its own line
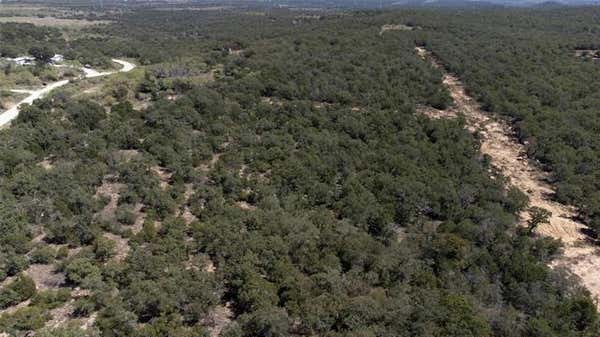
265, 174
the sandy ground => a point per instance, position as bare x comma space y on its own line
13, 112
218, 319
110, 190
186, 212
121, 246
163, 175
580, 256
434, 113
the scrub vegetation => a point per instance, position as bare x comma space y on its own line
268, 175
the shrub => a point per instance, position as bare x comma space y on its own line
16, 292
42, 255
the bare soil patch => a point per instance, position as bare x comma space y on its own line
400, 27
64, 314
434, 113
111, 190
163, 174
47, 163
140, 217
121, 246
186, 212
509, 157
45, 276
211, 164
218, 319
126, 155
245, 206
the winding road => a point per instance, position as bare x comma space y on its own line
13, 112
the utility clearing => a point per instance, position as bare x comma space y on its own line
581, 256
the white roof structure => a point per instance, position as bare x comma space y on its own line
57, 58
24, 60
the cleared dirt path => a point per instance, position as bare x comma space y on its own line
13, 112
581, 256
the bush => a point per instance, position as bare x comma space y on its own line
104, 248
125, 215
51, 298
83, 307
62, 252
24, 319
16, 292
79, 269
15, 264
42, 255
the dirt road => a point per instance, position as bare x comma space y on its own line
580, 256
13, 112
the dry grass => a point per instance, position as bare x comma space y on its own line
126, 155
51, 21
400, 27
8, 101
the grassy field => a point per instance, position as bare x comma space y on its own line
51, 21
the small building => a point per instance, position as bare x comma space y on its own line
57, 58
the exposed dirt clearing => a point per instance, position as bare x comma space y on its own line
163, 174
186, 213
434, 113
60, 315
507, 155
126, 155
121, 246
400, 27
213, 161
47, 163
140, 217
218, 319
245, 206
271, 101
110, 190
45, 276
